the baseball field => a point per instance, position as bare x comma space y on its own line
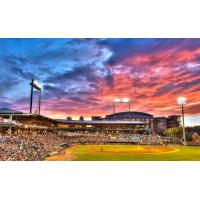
127, 153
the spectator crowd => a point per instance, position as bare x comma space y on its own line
101, 138
33, 147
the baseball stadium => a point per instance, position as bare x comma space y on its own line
99, 99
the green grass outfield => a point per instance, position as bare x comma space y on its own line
135, 153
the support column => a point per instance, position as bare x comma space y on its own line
31, 99
40, 100
184, 137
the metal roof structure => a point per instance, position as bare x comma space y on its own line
9, 111
101, 121
121, 115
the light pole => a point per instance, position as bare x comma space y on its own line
181, 101
31, 99
37, 86
122, 100
40, 93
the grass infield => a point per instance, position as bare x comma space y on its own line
128, 153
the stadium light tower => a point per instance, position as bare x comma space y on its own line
122, 100
181, 101
37, 86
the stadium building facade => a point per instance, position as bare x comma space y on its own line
131, 122
132, 116
122, 122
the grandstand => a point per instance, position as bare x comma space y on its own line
34, 137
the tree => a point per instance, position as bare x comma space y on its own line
176, 132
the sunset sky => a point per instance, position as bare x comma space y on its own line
83, 76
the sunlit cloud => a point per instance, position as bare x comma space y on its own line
83, 76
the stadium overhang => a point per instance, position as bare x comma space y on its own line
90, 122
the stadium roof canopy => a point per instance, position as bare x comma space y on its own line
9, 111
122, 115
101, 122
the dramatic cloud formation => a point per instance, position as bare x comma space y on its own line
83, 76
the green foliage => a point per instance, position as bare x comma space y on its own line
177, 131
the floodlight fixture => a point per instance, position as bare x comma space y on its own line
122, 100
117, 100
181, 100
36, 85
125, 100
